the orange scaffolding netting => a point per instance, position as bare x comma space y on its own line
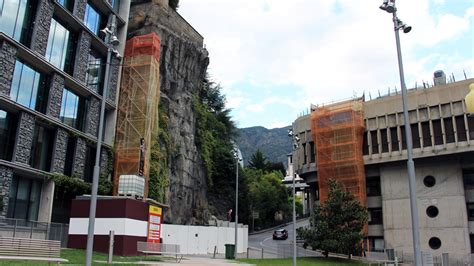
137, 118
337, 131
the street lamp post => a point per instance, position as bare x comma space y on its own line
295, 139
112, 41
237, 159
389, 6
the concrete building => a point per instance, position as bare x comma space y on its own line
443, 139
53, 59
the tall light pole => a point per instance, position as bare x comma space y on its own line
389, 6
237, 160
111, 41
295, 140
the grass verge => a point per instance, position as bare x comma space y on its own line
301, 262
78, 257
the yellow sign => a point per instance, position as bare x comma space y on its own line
155, 210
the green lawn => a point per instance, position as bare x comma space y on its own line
78, 257
301, 262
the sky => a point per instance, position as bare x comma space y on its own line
275, 58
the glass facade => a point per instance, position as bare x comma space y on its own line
115, 4
95, 72
8, 125
72, 109
29, 87
68, 4
24, 199
16, 17
42, 148
93, 19
61, 46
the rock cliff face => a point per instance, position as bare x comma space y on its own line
183, 67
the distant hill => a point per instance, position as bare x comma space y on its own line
274, 143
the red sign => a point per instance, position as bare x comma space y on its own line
154, 224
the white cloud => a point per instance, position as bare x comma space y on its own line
327, 51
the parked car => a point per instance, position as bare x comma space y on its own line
280, 234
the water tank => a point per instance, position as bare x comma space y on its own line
439, 78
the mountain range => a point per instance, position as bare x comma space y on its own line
273, 143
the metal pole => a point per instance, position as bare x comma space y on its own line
294, 222
95, 178
236, 201
410, 163
111, 246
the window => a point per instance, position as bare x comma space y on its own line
470, 124
89, 164
115, 4
365, 145
16, 18
425, 127
384, 140
375, 142
403, 137
95, 72
470, 211
415, 135
70, 151
29, 87
8, 124
72, 109
394, 139
24, 199
375, 216
68, 4
305, 161
438, 134
429, 181
313, 152
468, 178
461, 128
42, 148
61, 47
448, 128
373, 186
434, 243
93, 19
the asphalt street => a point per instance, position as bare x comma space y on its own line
277, 248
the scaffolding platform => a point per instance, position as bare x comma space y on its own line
137, 116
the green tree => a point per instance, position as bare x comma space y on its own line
174, 4
258, 161
336, 225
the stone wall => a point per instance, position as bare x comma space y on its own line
149, 17
55, 96
182, 69
79, 9
24, 139
6, 176
114, 74
7, 61
79, 158
92, 123
82, 56
40, 34
59, 151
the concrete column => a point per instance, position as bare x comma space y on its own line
24, 139
79, 9
79, 158
59, 151
55, 96
42, 24
6, 176
7, 61
92, 123
46, 201
82, 56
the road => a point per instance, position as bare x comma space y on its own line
277, 248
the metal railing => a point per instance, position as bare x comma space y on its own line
35, 230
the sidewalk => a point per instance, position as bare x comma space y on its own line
188, 260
